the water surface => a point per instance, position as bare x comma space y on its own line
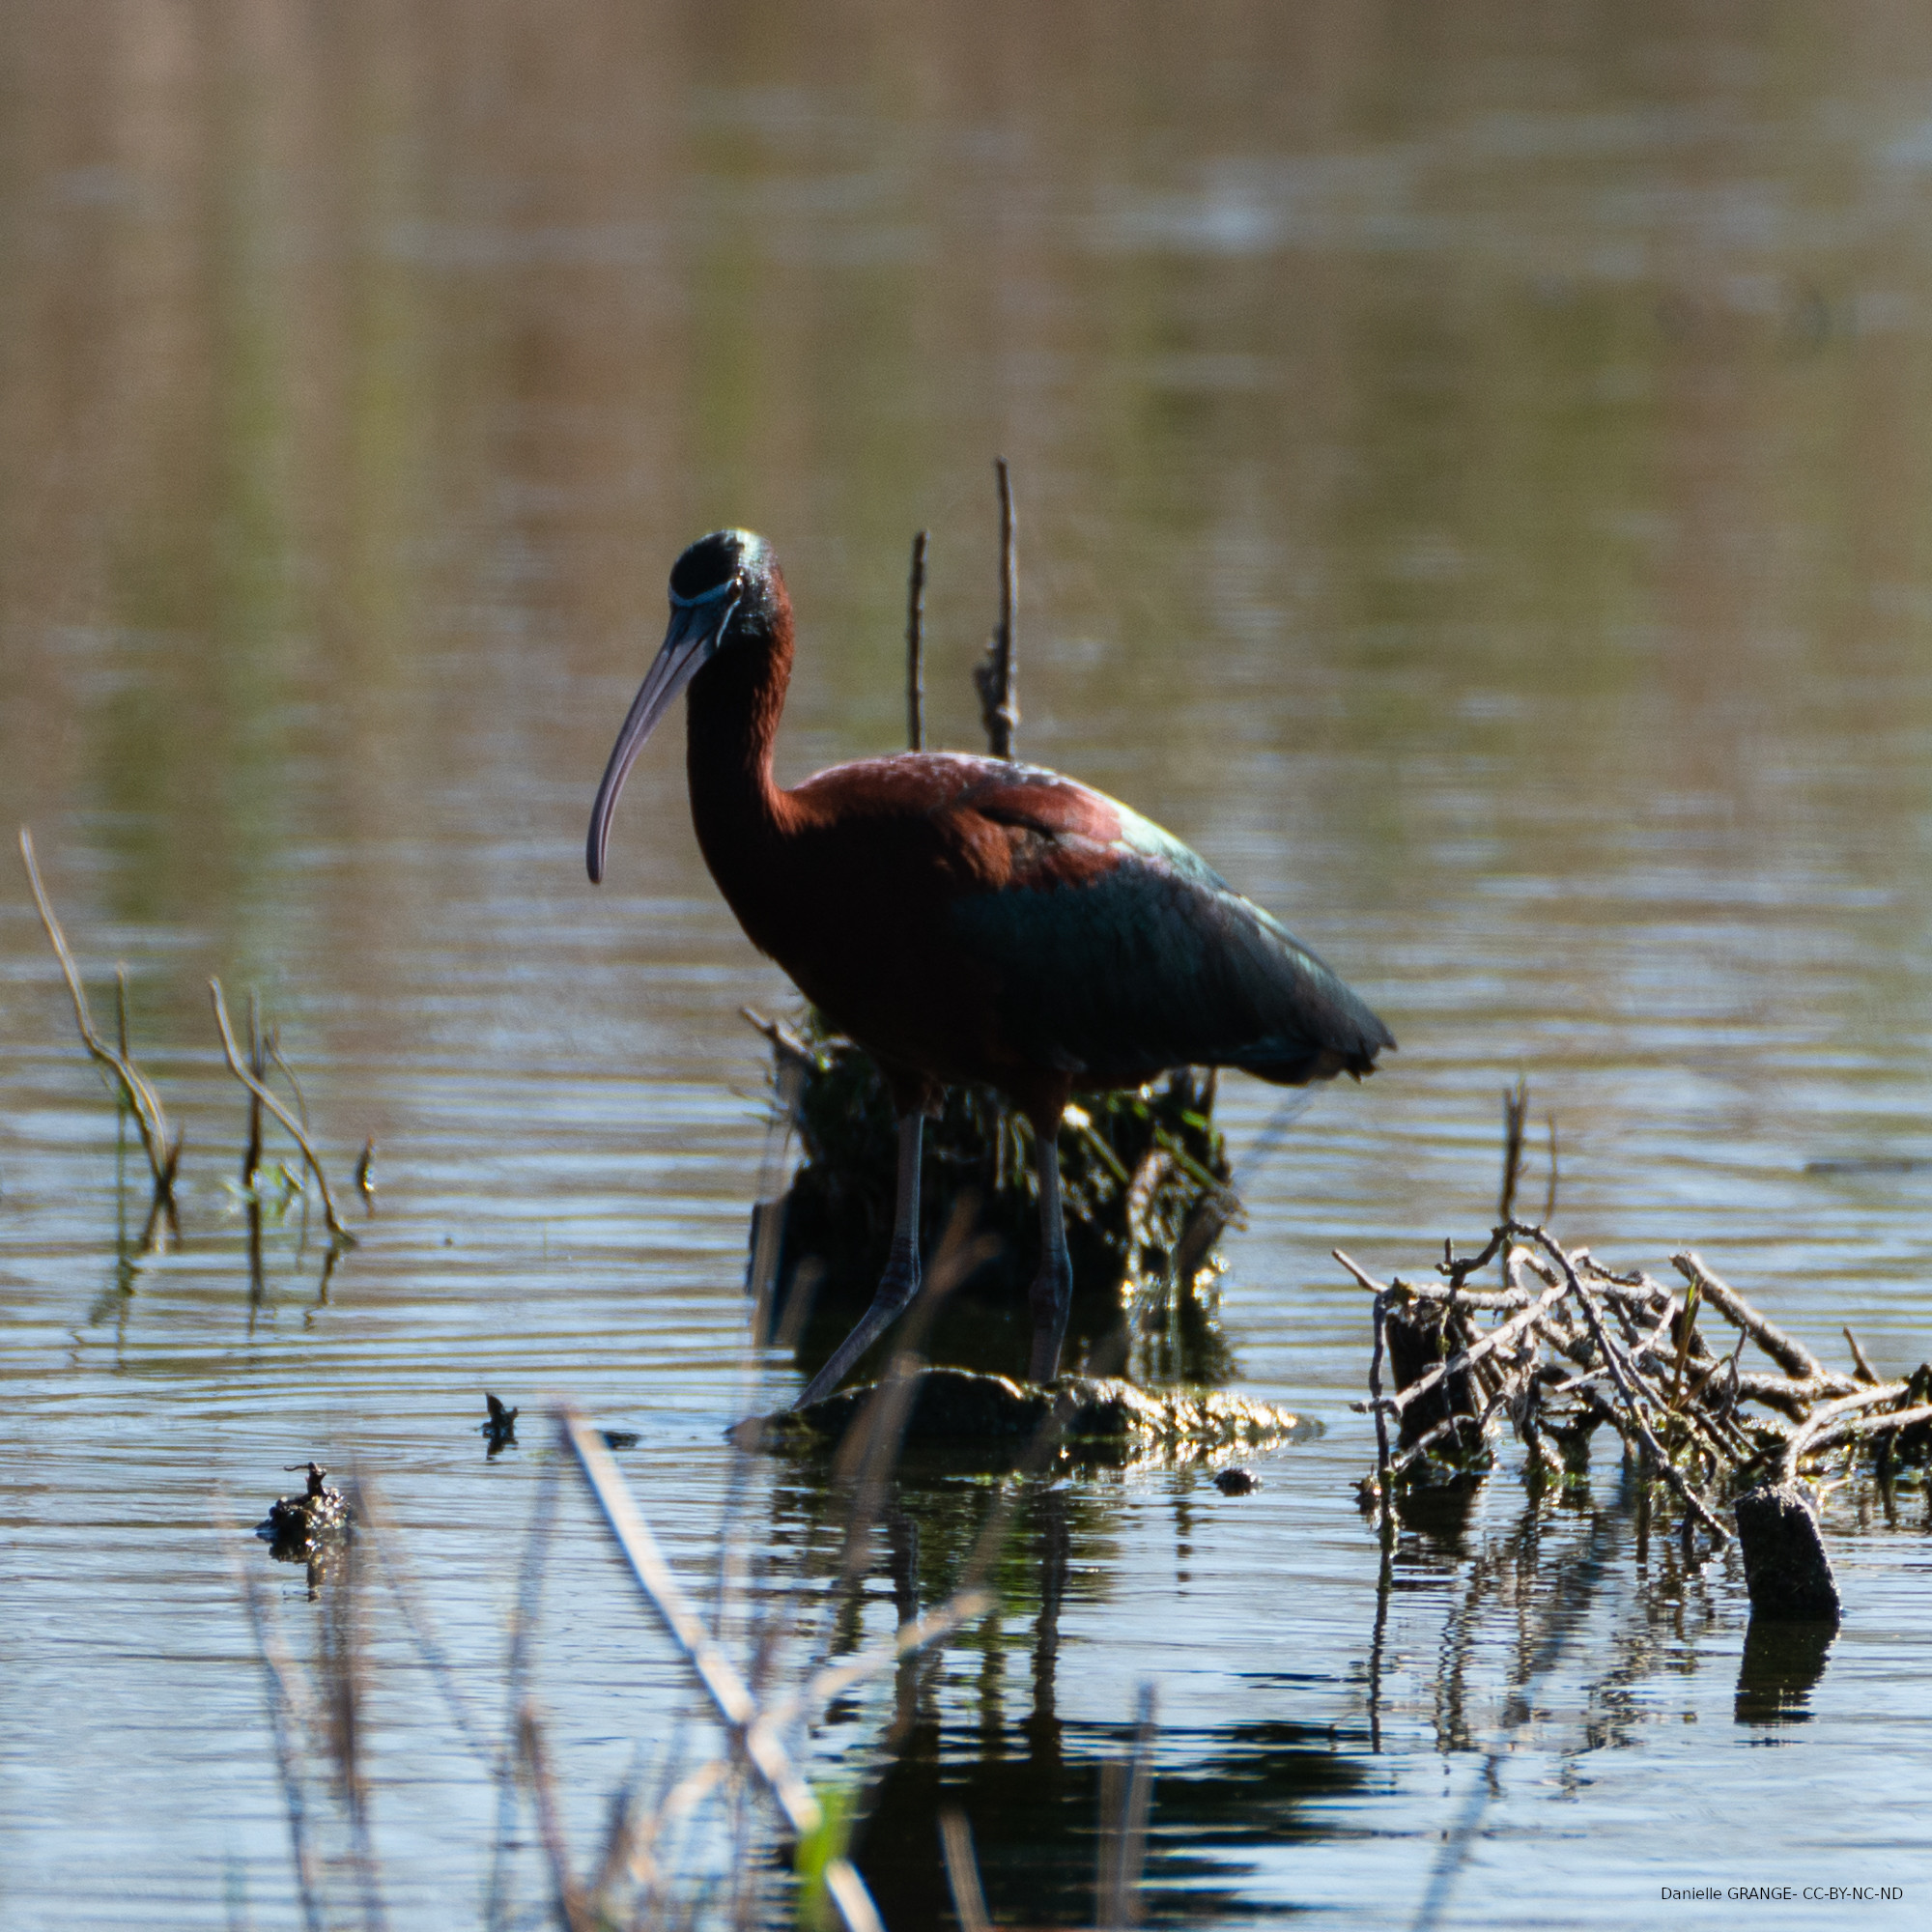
1473, 487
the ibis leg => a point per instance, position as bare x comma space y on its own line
901, 1281
1052, 1294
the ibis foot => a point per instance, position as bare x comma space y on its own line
897, 1288
1051, 1298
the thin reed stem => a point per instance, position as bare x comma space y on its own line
753, 1730
290, 1124
140, 1098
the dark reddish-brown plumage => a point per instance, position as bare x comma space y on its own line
966, 918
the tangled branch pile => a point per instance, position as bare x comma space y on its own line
1566, 1346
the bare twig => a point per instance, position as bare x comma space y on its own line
1668, 1469
741, 1559
790, 1075
870, 1449
239, 1068
683, 1797
1869, 1425
1516, 1111
1793, 1357
258, 1065
1829, 1422
999, 705
1361, 1274
834, 1679
1383, 1475
1470, 1301
273, 1041
872, 1440
1503, 1331
1455, 1424
1793, 1395
1662, 1404
916, 646
1866, 1372
1457, 1272
867, 1456
622, 1824
141, 1099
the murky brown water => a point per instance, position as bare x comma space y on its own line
1474, 486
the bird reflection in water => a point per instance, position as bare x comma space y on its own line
1020, 1778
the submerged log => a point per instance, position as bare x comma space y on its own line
989, 1419
1449, 1412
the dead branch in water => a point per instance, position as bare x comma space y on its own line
1593, 1347
258, 1065
999, 702
1382, 1474
916, 646
1793, 1357
130, 1084
1571, 1346
1516, 1111
1629, 1382
290, 1124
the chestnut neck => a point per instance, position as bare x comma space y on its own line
732, 709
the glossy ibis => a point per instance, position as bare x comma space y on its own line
966, 918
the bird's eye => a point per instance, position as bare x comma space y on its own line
714, 566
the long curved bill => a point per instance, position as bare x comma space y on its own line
696, 626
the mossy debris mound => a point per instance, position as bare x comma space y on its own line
1144, 1175
994, 1421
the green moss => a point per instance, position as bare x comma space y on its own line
960, 1420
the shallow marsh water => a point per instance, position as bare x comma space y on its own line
1473, 486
